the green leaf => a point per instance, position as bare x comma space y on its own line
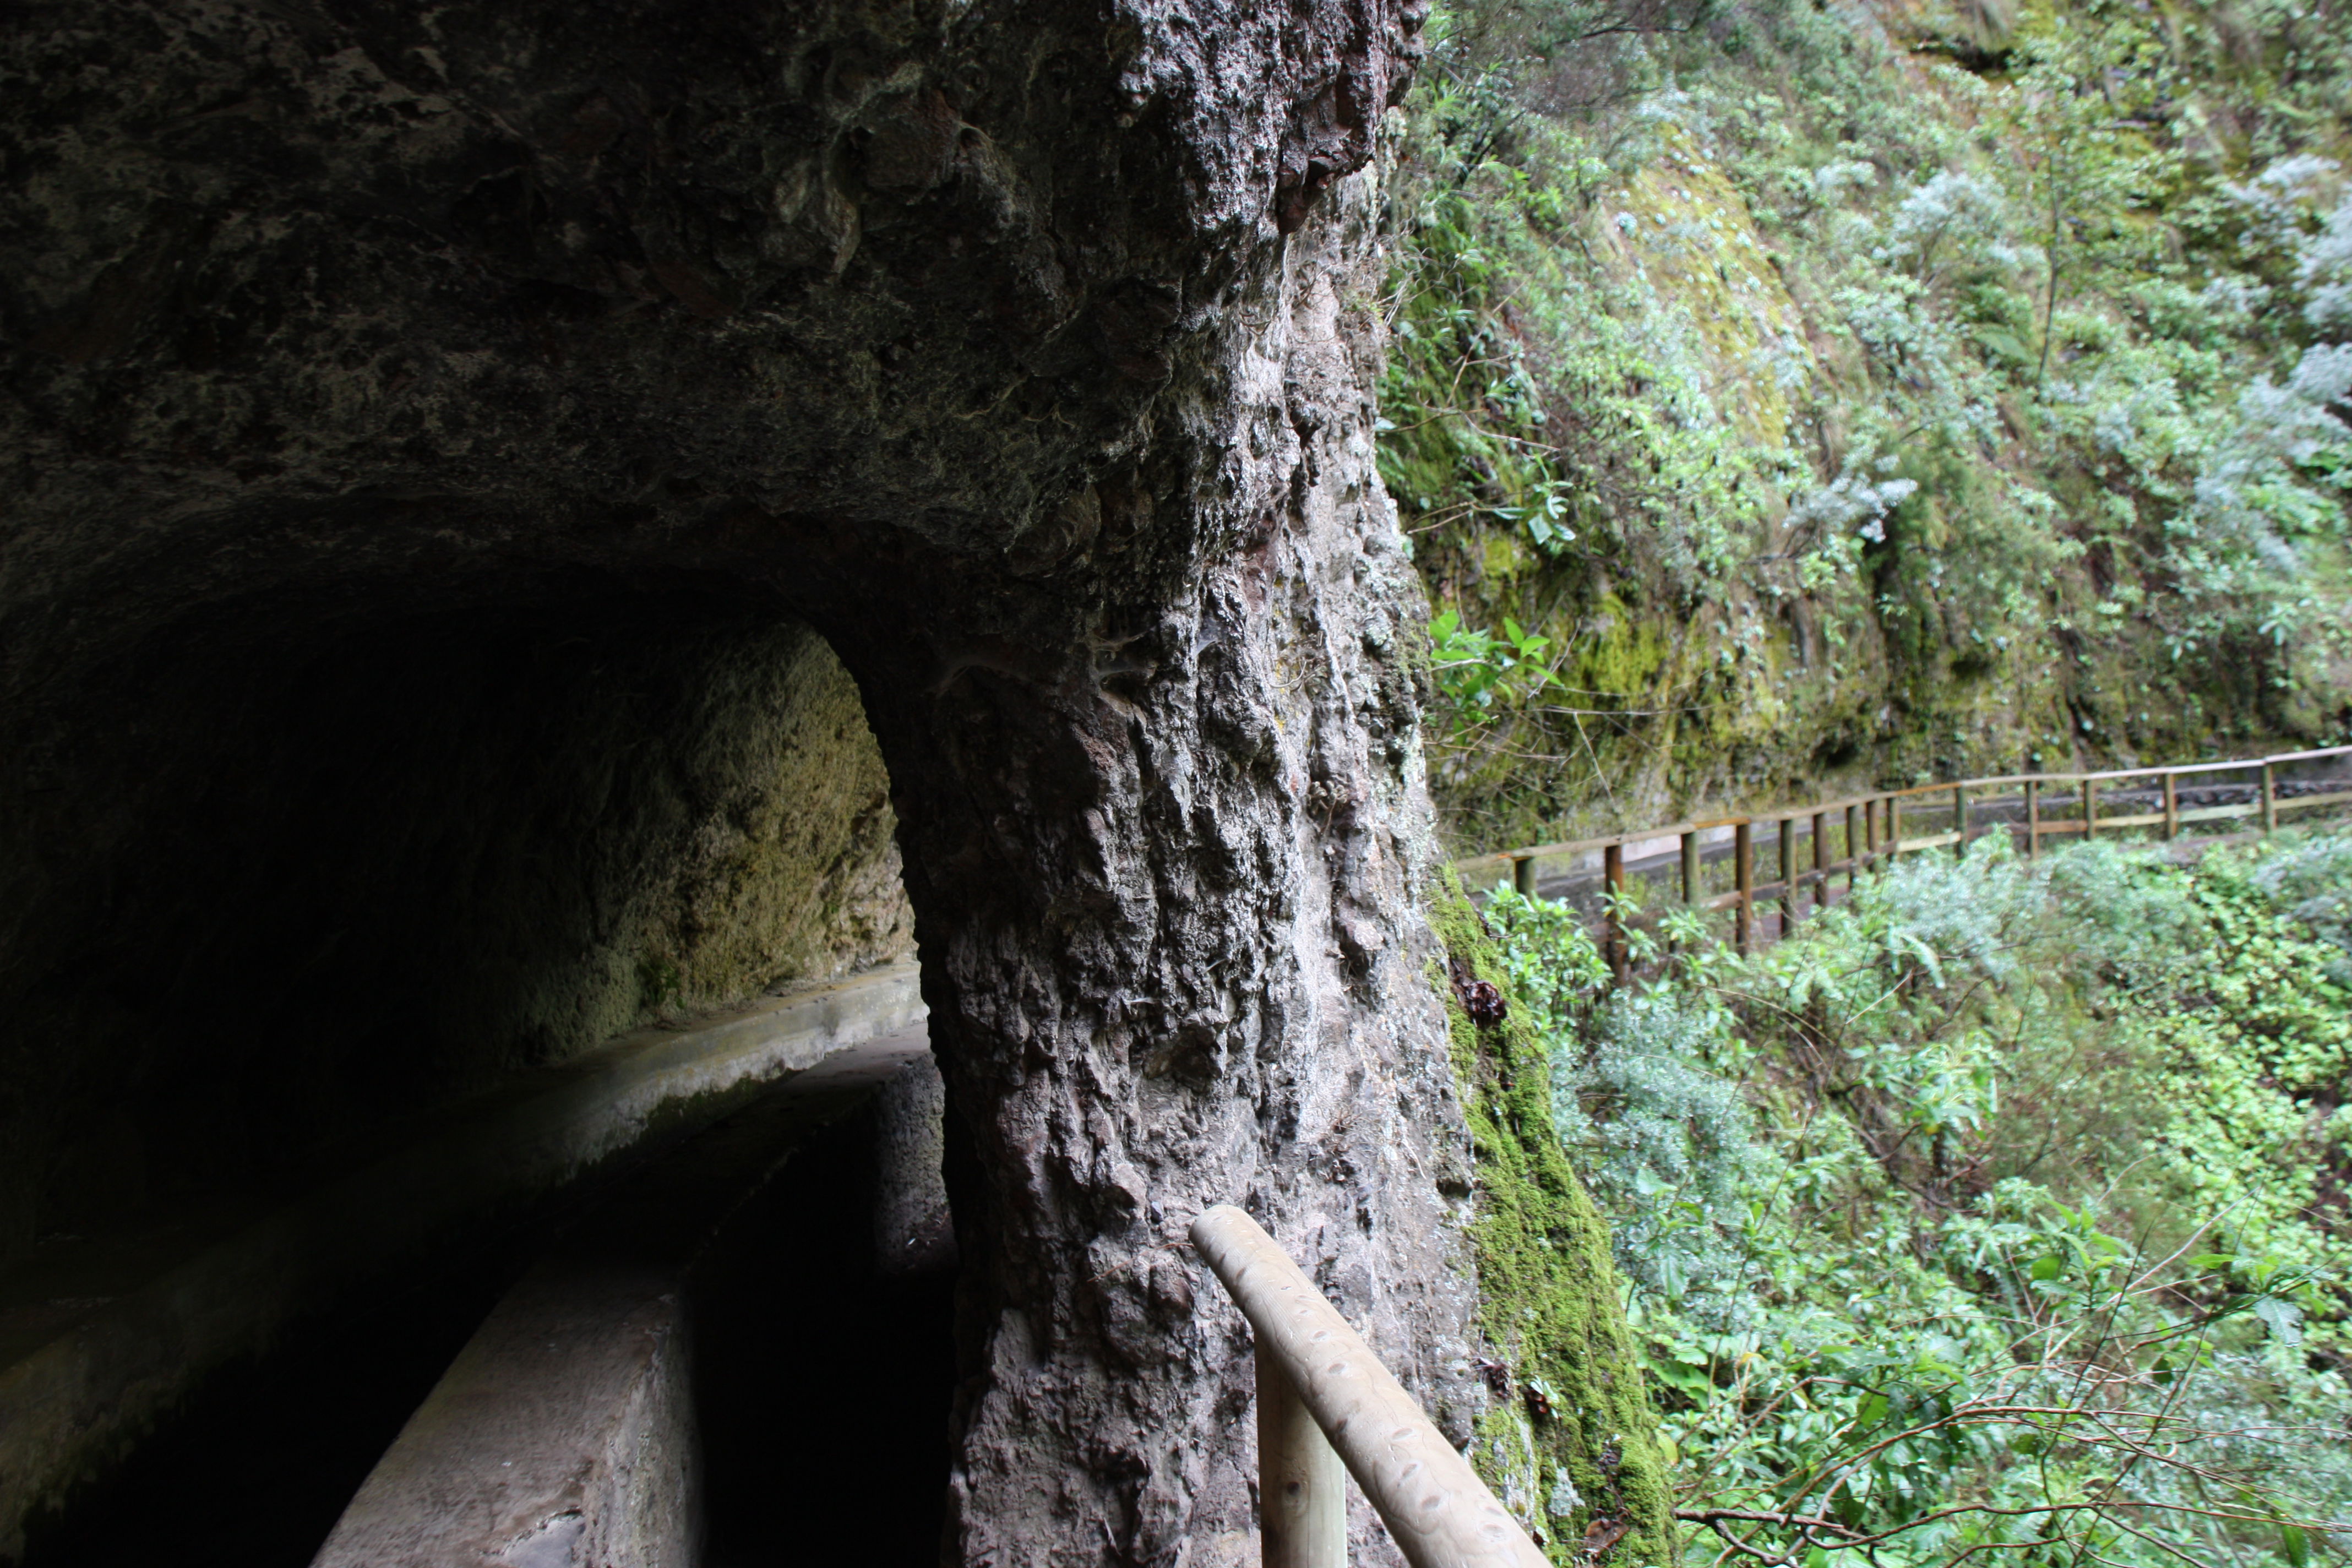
2295, 1545
2048, 1267
2282, 1318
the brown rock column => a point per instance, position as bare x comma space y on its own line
1162, 848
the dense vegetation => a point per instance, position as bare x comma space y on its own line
1999, 1213
1785, 392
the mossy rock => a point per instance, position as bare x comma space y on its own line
1571, 1444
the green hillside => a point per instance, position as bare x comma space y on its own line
1787, 395
1996, 1215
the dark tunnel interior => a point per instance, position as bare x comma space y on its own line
823, 1387
823, 1381
314, 874
290, 888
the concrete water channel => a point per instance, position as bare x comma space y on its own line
669, 1304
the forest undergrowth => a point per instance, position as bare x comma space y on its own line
1998, 1214
1790, 394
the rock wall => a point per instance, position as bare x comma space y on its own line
1024, 351
1182, 962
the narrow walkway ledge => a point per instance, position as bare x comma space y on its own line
563, 1436
99, 1343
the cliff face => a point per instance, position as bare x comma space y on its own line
1791, 399
451, 418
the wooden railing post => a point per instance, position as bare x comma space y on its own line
1788, 874
1437, 1511
1612, 880
1873, 834
1743, 873
1820, 860
1302, 1487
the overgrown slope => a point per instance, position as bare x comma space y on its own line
1997, 1215
1787, 393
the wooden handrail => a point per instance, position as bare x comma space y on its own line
1438, 1511
1768, 817
1884, 809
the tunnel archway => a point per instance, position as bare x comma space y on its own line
1024, 349
315, 869
339, 864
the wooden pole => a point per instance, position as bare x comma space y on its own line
1523, 875
1853, 850
1870, 829
1302, 1487
1821, 860
1612, 877
2270, 799
1437, 1511
1894, 826
1960, 820
1788, 875
2171, 807
2032, 818
2090, 808
1690, 868
1743, 873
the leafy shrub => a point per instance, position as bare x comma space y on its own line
1995, 1211
2309, 879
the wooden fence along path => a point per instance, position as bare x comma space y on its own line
1851, 835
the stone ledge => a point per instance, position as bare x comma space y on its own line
104, 1341
563, 1435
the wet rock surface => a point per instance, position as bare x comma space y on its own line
1024, 352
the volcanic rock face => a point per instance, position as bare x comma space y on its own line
1022, 350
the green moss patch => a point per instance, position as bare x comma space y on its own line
1571, 1444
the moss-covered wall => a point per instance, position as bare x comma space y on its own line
1572, 1442
288, 876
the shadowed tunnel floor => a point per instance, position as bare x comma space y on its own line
822, 1389
823, 1385
255, 1473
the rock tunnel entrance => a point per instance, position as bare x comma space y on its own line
367, 876
300, 874
423, 426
